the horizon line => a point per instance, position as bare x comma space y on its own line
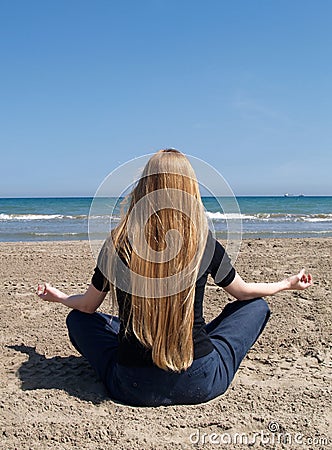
203, 196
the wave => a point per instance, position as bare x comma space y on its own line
271, 217
57, 234
227, 216
214, 216
319, 218
28, 217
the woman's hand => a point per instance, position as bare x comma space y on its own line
241, 290
300, 281
87, 302
49, 293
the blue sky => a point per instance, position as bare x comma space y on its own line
88, 85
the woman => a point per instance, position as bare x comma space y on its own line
159, 351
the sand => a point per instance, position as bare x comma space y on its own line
51, 398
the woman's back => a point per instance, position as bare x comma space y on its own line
131, 351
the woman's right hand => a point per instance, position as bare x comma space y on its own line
47, 292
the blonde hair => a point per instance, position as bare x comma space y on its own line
171, 222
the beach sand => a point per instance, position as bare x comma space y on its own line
51, 398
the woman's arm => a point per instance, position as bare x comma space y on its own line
247, 291
87, 302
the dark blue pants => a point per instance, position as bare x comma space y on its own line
232, 333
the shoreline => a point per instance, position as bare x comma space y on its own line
246, 239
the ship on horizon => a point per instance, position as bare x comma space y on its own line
293, 195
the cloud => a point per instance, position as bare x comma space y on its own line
254, 109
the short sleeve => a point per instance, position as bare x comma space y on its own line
99, 281
221, 268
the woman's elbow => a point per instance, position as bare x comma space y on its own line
87, 308
242, 296
89, 311
239, 289
241, 293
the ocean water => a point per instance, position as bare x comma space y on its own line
48, 219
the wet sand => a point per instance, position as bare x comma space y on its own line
51, 398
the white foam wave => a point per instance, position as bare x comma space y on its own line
58, 234
6, 217
265, 217
227, 216
271, 217
328, 218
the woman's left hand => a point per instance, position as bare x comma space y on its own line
299, 282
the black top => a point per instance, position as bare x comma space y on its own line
131, 352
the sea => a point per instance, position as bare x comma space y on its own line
57, 219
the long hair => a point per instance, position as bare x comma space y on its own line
161, 240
